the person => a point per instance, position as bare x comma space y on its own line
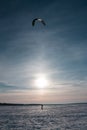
41, 107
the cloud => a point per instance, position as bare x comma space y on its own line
12, 88
6, 87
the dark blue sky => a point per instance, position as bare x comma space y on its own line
57, 51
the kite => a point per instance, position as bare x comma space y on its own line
38, 19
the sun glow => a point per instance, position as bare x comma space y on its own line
41, 82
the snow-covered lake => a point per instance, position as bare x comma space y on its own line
52, 117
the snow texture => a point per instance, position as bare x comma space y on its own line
52, 117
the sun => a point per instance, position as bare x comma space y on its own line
41, 82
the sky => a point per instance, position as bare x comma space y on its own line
43, 64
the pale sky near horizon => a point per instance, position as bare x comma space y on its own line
43, 64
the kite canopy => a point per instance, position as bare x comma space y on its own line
38, 19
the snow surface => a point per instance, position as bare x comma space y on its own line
52, 117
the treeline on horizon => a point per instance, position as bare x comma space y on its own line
15, 104
33, 104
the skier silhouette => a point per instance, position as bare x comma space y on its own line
41, 107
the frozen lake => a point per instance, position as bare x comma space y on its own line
52, 117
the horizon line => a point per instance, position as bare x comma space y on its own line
42, 103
